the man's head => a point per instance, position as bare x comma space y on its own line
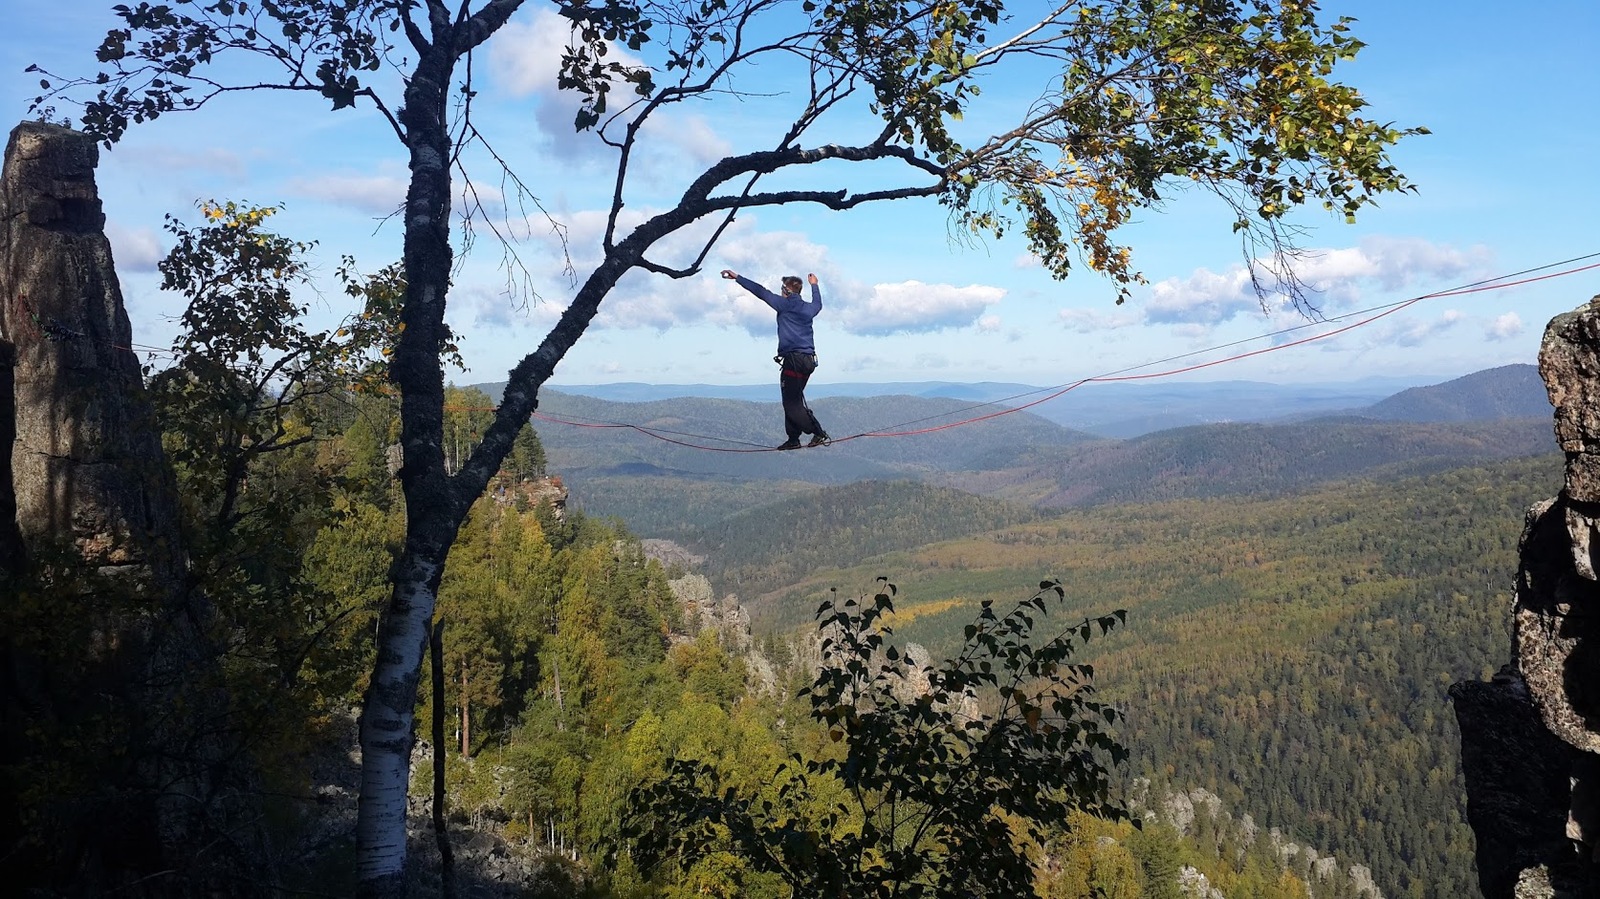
791, 285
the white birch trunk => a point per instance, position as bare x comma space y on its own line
386, 723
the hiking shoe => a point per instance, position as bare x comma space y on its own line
791, 443
820, 440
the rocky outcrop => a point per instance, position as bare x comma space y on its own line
531, 492
1531, 736
104, 650
1199, 815
729, 620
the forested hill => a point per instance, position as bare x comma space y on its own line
704, 470
1510, 391
1252, 459
1290, 653
774, 546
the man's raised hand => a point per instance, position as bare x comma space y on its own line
730, 274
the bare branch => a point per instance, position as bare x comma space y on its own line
838, 199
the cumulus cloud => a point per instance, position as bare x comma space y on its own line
479, 197
687, 138
492, 308
1205, 296
134, 249
913, 307
1418, 331
1194, 332
1505, 327
642, 300
989, 324
525, 55
524, 61
1337, 278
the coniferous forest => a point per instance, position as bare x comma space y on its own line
1291, 654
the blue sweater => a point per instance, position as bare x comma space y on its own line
794, 316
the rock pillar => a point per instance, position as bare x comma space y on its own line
1531, 737
88, 472
108, 686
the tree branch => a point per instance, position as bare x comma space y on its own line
484, 23
768, 161
418, 40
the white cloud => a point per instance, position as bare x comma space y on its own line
689, 138
525, 55
1204, 296
492, 308
1505, 327
1195, 333
989, 324
862, 364
915, 307
471, 194
1418, 331
1402, 262
525, 61
134, 249
642, 300
1336, 278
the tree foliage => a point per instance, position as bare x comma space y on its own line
938, 792
1137, 99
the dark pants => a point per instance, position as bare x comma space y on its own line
797, 416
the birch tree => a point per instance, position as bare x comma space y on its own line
1137, 100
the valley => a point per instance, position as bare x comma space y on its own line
1299, 595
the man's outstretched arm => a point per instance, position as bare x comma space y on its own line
763, 294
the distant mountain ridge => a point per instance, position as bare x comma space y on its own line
1120, 410
1254, 459
706, 461
1510, 391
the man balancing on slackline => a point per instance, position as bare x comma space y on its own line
797, 353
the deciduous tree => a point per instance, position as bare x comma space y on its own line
946, 791
1139, 100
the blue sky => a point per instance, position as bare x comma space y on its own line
1506, 182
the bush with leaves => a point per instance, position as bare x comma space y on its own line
946, 790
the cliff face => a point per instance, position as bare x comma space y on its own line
107, 682
1531, 736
